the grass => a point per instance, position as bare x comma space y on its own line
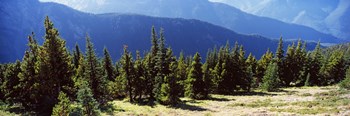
289, 101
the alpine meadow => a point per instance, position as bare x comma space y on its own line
174, 57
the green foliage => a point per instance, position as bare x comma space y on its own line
11, 79
181, 74
262, 65
170, 87
162, 65
62, 108
108, 66
128, 72
76, 56
345, 84
307, 81
270, 80
49, 76
94, 73
294, 68
194, 83
29, 77
333, 70
87, 102
139, 76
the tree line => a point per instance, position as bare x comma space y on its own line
50, 78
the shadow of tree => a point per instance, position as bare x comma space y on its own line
253, 94
219, 99
185, 106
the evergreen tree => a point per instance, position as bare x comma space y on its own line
169, 89
262, 66
345, 84
76, 56
63, 107
162, 66
55, 68
270, 80
29, 77
315, 66
94, 73
207, 78
108, 66
279, 58
251, 70
10, 81
195, 84
334, 69
139, 76
151, 60
181, 74
87, 101
128, 72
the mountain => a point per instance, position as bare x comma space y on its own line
113, 31
212, 12
328, 16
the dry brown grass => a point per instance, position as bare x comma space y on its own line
290, 101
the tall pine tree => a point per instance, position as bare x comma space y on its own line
55, 68
94, 73
194, 83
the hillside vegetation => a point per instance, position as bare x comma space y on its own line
51, 80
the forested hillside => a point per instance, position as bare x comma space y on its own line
20, 18
52, 80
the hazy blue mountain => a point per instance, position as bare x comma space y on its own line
113, 31
215, 13
328, 16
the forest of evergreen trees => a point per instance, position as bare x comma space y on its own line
50, 78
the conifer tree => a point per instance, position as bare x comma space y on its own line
108, 65
29, 76
161, 65
251, 70
139, 76
315, 66
10, 81
151, 60
262, 66
270, 80
181, 74
62, 108
345, 84
128, 72
169, 88
279, 58
87, 101
94, 73
334, 69
76, 56
194, 86
55, 68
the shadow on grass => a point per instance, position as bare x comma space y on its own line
219, 99
241, 93
185, 106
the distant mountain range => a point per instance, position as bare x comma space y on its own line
20, 18
328, 16
215, 13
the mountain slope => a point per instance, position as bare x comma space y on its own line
215, 13
328, 16
113, 31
